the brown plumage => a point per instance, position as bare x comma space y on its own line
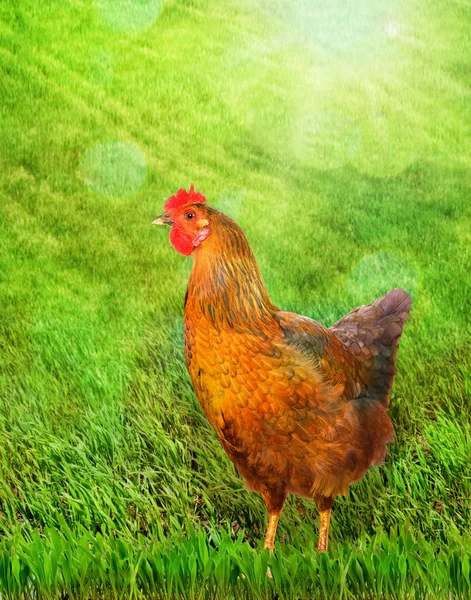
299, 408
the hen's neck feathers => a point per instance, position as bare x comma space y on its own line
225, 284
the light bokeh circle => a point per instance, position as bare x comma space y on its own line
387, 148
128, 16
231, 203
100, 68
115, 169
377, 273
326, 139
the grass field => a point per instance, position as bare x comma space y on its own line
338, 134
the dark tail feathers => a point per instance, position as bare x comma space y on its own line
372, 334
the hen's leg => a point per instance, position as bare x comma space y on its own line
274, 501
324, 530
325, 508
273, 519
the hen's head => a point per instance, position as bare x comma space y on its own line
187, 217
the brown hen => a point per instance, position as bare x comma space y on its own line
299, 408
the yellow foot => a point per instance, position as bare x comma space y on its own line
271, 531
324, 530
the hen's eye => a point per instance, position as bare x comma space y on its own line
189, 215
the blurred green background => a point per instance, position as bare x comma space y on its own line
338, 134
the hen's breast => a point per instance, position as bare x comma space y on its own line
228, 372
261, 398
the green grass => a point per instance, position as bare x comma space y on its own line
218, 566
340, 139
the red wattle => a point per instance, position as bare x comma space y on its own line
182, 242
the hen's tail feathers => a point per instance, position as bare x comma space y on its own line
372, 334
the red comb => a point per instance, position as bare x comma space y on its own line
183, 197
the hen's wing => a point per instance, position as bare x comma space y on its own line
287, 410
326, 353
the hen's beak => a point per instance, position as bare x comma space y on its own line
162, 220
